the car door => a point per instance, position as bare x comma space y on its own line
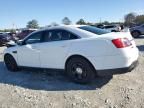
55, 47
29, 52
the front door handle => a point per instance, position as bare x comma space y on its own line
15, 52
34, 47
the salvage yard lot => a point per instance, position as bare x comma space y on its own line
50, 89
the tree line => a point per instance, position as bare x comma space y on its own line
129, 20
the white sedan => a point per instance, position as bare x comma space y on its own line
82, 51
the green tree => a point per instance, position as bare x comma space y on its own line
66, 21
129, 19
81, 22
139, 19
33, 24
1, 30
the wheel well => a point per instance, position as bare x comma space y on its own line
7, 55
79, 56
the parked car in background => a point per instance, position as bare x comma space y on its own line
112, 28
13, 36
1, 32
82, 51
137, 31
4, 38
100, 26
24, 33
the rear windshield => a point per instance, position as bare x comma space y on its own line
94, 30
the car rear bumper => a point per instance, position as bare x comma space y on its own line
118, 70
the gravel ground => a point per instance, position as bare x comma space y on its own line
50, 89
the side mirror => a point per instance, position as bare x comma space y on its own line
20, 42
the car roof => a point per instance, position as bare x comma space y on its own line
71, 28
64, 26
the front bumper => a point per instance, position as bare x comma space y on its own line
118, 70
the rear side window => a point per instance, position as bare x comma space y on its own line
94, 30
65, 35
58, 35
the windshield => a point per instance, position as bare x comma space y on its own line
94, 30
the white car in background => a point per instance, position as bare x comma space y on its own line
112, 28
82, 51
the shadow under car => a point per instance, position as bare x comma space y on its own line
48, 80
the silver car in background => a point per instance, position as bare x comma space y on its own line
137, 31
112, 28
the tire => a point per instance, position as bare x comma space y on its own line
135, 34
10, 63
80, 70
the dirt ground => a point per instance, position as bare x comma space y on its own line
50, 89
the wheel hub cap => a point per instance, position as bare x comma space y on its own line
79, 70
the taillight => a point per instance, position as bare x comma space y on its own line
121, 42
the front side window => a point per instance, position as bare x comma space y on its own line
94, 30
34, 38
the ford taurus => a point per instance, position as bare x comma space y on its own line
82, 51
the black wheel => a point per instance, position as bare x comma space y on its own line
10, 63
135, 34
80, 70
